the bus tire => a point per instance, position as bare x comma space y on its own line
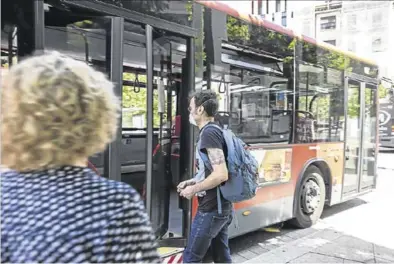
310, 199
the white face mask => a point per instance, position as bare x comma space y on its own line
191, 120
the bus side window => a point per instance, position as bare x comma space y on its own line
320, 105
256, 105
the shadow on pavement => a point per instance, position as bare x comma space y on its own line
339, 208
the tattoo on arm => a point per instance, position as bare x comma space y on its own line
216, 156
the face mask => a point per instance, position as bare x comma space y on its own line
191, 120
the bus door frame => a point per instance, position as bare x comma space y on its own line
186, 137
357, 188
112, 166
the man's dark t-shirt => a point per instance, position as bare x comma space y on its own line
212, 138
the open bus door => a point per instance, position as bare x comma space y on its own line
158, 77
161, 91
361, 139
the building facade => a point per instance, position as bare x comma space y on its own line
363, 27
277, 11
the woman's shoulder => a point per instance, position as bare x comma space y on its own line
82, 179
116, 191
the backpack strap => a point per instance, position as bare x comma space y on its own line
204, 156
206, 161
219, 200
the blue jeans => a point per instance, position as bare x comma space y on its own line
209, 229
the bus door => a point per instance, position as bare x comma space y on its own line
361, 136
158, 76
386, 114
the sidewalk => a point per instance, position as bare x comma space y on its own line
326, 246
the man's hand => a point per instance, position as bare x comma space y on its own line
184, 184
188, 192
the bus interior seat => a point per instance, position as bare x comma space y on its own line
305, 129
281, 123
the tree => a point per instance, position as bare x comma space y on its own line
134, 99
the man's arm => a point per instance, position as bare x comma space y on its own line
219, 173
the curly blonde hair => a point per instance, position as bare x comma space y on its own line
55, 111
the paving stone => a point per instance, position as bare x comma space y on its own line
340, 251
272, 243
312, 242
281, 255
350, 261
300, 233
356, 243
328, 234
384, 253
316, 258
258, 249
380, 260
285, 238
247, 254
237, 258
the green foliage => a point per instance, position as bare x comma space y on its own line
189, 10
353, 103
136, 101
237, 31
200, 55
382, 91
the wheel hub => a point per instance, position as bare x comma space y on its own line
310, 196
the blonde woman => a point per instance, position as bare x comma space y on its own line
55, 113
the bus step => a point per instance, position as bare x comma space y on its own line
177, 242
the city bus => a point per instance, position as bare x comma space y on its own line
386, 115
308, 110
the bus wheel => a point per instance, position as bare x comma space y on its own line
311, 198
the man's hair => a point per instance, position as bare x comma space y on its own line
208, 99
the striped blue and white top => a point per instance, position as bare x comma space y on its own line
71, 214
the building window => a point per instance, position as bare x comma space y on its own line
284, 19
260, 7
277, 5
376, 44
328, 22
285, 5
332, 42
267, 7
